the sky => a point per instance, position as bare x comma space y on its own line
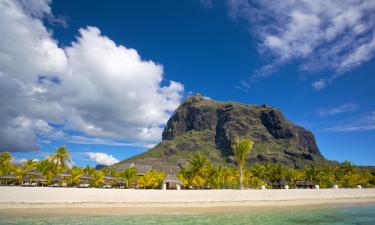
103, 77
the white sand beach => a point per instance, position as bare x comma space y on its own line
78, 200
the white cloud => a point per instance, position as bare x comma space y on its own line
333, 35
19, 161
344, 108
366, 123
101, 141
320, 84
94, 86
101, 158
37, 8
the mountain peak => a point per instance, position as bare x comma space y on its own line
209, 127
197, 97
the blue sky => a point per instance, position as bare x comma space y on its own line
122, 67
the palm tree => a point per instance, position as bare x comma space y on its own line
328, 178
275, 172
97, 178
216, 177
151, 179
129, 175
241, 149
312, 173
48, 169
76, 173
197, 165
186, 177
258, 170
6, 164
89, 170
110, 172
61, 157
30, 164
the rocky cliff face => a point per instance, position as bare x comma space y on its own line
210, 127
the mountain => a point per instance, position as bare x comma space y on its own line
201, 125
99, 167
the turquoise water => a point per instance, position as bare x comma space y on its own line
356, 215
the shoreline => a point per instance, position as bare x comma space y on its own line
76, 201
102, 209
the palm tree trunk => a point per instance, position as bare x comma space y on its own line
241, 177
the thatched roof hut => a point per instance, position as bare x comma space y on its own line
171, 178
142, 169
64, 174
56, 179
167, 169
304, 184
120, 181
171, 182
8, 177
109, 178
40, 179
85, 177
34, 173
279, 184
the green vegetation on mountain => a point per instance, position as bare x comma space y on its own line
208, 127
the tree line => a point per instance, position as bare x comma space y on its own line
56, 164
199, 172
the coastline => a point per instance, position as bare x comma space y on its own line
77, 201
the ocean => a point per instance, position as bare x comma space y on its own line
339, 215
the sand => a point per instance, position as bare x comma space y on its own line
121, 201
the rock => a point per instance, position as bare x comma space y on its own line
201, 125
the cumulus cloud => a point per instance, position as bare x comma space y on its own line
344, 108
101, 158
94, 87
336, 35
